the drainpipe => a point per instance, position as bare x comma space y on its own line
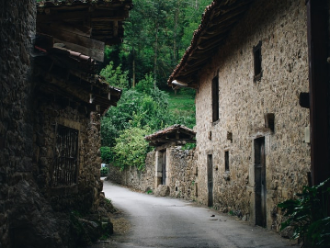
317, 35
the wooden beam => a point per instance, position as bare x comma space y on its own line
162, 147
229, 8
68, 27
84, 45
210, 44
198, 62
169, 144
317, 36
177, 141
82, 15
68, 16
228, 16
115, 28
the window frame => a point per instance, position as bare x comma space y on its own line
66, 157
215, 100
227, 161
257, 62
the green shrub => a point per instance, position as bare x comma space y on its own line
104, 171
308, 215
131, 148
106, 154
115, 76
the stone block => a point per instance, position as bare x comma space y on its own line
40, 140
24, 165
162, 190
43, 162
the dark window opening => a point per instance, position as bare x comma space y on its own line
270, 121
66, 156
215, 99
226, 160
257, 62
210, 179
260, 181
163, 179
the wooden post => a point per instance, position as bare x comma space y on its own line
317, 25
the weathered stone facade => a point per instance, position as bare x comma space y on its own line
85, 192
243, 104
180, 172
16, 148
33, 212
141, 180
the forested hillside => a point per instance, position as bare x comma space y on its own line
156, 36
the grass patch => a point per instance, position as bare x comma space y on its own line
182, 107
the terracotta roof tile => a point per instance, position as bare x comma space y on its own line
170, 129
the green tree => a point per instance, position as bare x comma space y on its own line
131, 148
115, 76
156, 36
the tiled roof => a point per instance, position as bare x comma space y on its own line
100, 20
59, 3
169, 130
71, 35
217, 21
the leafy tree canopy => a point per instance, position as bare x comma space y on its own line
156, 36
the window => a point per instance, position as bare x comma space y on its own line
66, 156
226, 160
270, 121
215, 99
257, 62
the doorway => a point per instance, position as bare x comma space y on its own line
163, 161
210, 179
260, 181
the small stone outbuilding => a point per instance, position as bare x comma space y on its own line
173, 168
169, 170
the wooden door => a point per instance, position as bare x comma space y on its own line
260, 181
210, 179
164, 168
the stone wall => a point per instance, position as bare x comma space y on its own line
17, 28
84, 194
141, 180
27, 202
26, 218
180, 175
243, 103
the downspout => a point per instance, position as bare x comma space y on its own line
317, 35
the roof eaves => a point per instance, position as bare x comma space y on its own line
169, 130
211, 12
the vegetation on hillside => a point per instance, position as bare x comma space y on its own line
157, 33
142, 110
156, 36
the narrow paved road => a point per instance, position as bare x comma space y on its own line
167, 222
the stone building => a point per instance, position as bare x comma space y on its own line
169, 170
173, 167
50, 107
248, 62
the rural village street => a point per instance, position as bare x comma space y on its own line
167, 222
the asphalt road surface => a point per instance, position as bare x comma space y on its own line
167, 222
